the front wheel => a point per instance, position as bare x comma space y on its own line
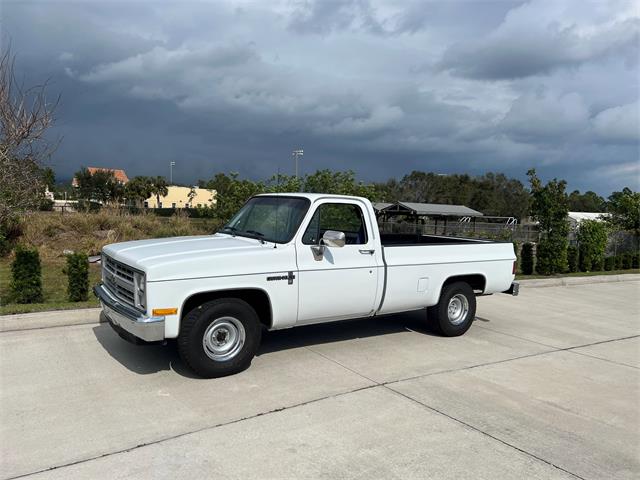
454, 313
220, 337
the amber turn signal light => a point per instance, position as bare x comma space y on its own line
158, 312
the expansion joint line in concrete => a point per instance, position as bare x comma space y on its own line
374, 384
486, 434
435, 410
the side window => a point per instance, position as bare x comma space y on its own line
342, 217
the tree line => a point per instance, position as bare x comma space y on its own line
493, 194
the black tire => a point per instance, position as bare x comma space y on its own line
438, 315
241, 317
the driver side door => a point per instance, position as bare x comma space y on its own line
343, 282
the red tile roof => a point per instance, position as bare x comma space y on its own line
118, 173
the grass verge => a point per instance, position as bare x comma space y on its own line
54, 285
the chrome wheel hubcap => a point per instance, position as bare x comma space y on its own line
223, 339
458, 309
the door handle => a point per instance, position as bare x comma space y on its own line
367, 252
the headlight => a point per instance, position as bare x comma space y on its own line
139, 284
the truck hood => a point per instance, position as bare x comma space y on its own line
192, 257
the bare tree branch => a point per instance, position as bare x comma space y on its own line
25, 117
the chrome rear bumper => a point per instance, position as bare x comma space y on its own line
149, 329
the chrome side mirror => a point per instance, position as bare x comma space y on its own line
331, 238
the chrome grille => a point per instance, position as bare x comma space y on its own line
118, 278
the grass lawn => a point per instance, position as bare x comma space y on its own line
54, 284
577, 274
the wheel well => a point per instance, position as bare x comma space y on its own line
258, 299
475, 281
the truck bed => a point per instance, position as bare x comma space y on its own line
416, 267
411, 239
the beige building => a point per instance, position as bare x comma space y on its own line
178, 197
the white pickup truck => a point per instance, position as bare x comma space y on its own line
286, 260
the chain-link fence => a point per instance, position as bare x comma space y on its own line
491, 230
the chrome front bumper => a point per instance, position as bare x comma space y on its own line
149, 329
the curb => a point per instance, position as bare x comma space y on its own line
55, 318
571, 281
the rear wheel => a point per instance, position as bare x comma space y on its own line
454, 313
220, 337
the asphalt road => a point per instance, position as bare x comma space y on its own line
545, 385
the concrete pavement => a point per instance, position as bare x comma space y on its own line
545, 385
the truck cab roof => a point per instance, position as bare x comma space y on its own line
313, 196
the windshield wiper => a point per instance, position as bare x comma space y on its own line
233, 230
258, 235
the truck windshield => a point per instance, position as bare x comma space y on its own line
274, 219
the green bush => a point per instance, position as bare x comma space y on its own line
635, 260
610, 263
10, 231
26, 284
592, 241
626, 261
598, 265
618, 262
46, 205
526, 259
573, 257
77, 271
551, 255
89, 206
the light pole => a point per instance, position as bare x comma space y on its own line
297, 154
171, 165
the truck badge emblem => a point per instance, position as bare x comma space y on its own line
289, 277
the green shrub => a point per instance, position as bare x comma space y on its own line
618, 262
77, 271
573, 258
89, 206
10, 230
598, 265
46, 205
635, 260
26, 284
626, 261
526, 259
551, 255
592, 241
610, 263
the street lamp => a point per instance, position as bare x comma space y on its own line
171, 165
297, 154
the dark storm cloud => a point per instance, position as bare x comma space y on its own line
515, 51
334, 15
378, 87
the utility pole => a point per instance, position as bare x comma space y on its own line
171, 165
296, 155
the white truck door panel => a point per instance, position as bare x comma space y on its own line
344, 283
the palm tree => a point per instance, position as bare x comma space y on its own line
159, 188
139, 189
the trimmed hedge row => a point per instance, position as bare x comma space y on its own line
624, 261
26, 273
77, 271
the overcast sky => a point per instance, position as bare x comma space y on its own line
378, 87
